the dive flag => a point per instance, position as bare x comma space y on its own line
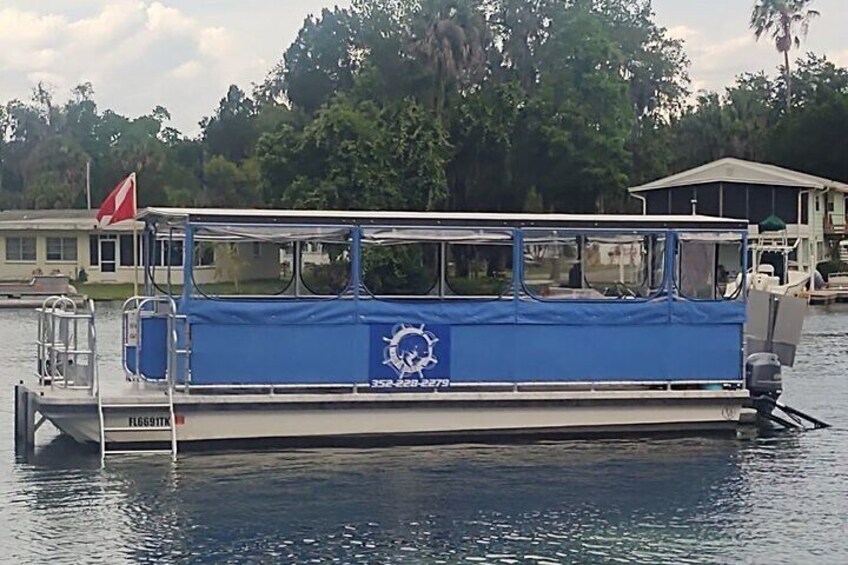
120, 204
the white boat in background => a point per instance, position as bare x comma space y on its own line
790, 280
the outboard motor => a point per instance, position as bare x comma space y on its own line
772, 333
762, 375
763, 379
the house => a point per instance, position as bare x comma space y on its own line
71, 243
813, 208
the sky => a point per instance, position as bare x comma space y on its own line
183, 54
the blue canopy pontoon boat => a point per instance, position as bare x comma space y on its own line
329, 327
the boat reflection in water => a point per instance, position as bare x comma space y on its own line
662, 500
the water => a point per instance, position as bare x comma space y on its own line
697, 500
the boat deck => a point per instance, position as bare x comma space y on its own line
140, 414
141, 393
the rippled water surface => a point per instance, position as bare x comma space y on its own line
767, 500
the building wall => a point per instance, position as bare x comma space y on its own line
755, 203
247, 261
24, 270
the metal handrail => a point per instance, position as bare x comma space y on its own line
58, 344
92, 346
135, 307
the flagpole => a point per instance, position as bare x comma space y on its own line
135, 235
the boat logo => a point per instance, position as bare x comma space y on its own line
410, 350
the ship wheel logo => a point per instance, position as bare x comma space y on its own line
410, 350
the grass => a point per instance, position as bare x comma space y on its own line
102, 291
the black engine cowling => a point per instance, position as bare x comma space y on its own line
762, 375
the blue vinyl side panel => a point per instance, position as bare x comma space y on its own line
254, 354
596, 353
449, 312
290, 342
153, 358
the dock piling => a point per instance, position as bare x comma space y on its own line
24, 420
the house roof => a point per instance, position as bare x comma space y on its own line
738, 171
56, 220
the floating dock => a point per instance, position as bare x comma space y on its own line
17, 294
827, 296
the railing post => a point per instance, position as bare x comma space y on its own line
188, 262
94, 376
517, 263
356, 260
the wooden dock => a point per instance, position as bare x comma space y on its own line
827, 296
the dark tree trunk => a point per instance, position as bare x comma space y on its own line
788, 82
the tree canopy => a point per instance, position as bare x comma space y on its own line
502, 105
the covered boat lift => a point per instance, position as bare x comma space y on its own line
812, 208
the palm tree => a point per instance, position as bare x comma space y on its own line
785, 21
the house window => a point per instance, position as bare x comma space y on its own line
166, 253
62, 249
20, 249
256, 248
94, 249
127, 255
204, 255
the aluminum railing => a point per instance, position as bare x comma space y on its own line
66, 345
134, 311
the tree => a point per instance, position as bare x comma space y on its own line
737, 123
785, 21
814, 78
521, 25
356, 155
821, 126
318, 64
449, 39
549, 105
230, 185
232, 132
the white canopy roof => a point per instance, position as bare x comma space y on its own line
387, 219
732, 170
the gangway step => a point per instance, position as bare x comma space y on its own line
139, 451
145, 406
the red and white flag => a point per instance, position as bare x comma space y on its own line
120, 204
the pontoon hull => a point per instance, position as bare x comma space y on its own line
398, 418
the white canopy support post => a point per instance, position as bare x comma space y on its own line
135, 237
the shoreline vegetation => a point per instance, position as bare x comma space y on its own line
466, 105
